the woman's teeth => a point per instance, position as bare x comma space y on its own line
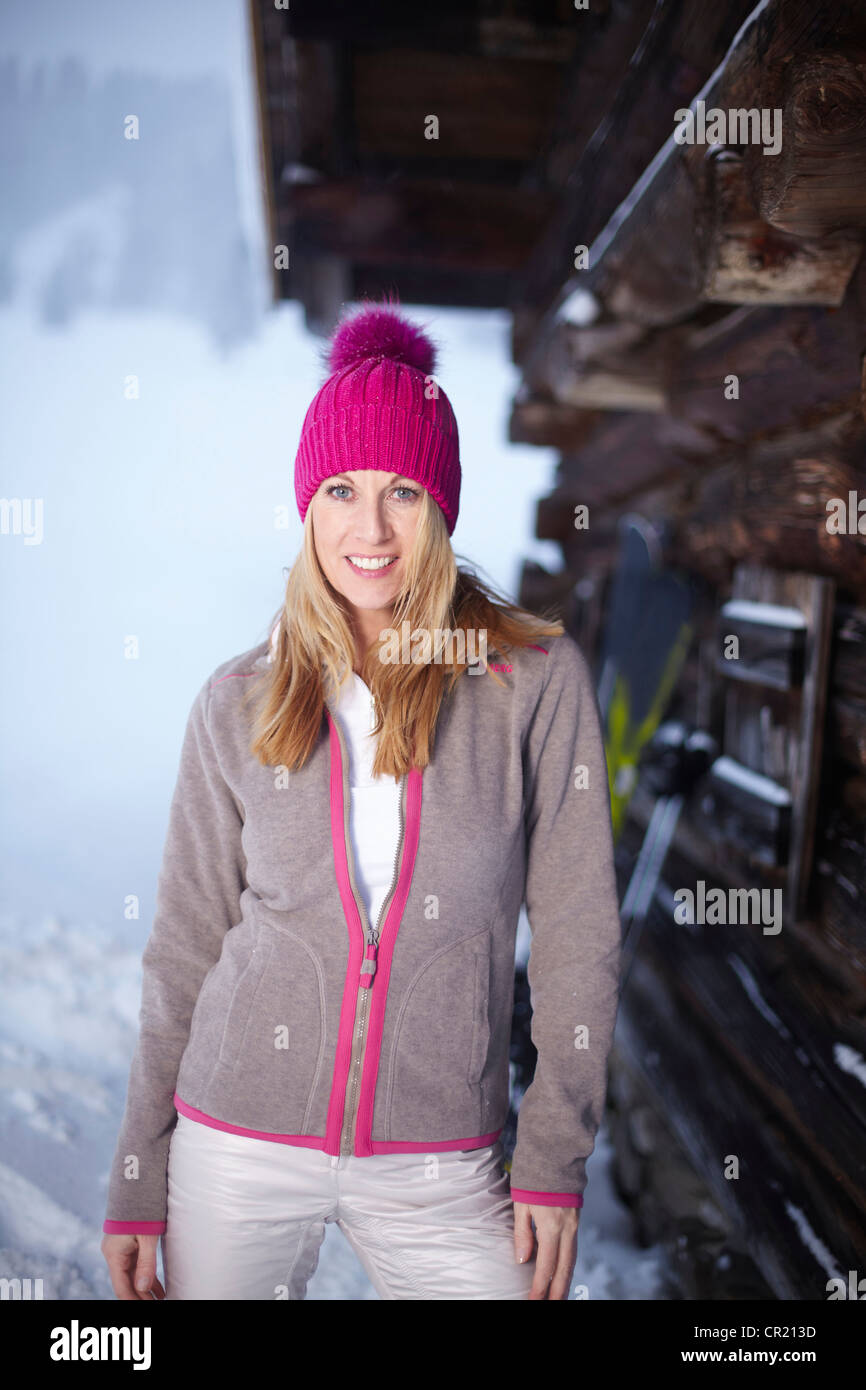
378, 564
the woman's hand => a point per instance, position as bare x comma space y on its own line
131, 1259
556, 1232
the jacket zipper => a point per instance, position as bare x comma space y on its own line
368, 963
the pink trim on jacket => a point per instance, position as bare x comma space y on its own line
546, 1199
133, 1228
343, 1055
399, 1146
305, 1141
364, 1145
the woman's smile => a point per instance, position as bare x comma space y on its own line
371, 566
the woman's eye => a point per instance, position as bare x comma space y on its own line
344, 487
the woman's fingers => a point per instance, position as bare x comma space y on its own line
524, 1240
567, 1259
556, 1255
131, 1264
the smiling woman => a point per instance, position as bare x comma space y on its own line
364, 527
329, 981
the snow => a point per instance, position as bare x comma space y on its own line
770, 614
812, 1241
162, 523
750, 985
754, 782
851, 1061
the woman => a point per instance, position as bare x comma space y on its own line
364, 802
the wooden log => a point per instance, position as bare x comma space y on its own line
713, 1112
379, 24
540, 420
747, 261
542, 592
771, 508
761, 1018
640, 265
497, 112
791, 369
839, 884
554, 517
468, 227
670, 1204
847, 729
752, 371
424, 282
610, 366
453, 26
607, 39
626, 456
768, 504
797, 989
848, 658
674, 56
817, 184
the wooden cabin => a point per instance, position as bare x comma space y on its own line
670, 201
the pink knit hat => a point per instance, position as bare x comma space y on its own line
381, 408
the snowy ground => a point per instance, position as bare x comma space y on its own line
69, 1003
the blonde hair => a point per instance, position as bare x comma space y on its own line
315, 651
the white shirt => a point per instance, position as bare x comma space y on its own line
374, 802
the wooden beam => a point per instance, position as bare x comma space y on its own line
707, 1119
642, 267
817, 183
770, 508
745, 260
472, 228
548, 423
456, 26
544, 593
673, 57
610, 366
499, 111
794, 369
624, 457
426, 283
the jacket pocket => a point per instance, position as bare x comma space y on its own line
271, 1054
241, 1003
440, 1045
480, 1013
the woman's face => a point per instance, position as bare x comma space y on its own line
366, 516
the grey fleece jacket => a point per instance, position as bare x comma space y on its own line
272, 1007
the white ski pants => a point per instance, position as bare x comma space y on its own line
246, 1218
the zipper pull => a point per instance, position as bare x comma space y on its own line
368, 964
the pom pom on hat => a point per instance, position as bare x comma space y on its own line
379, 331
